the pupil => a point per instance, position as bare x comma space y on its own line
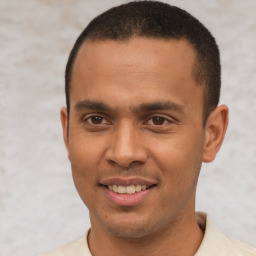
158, 120
97, 120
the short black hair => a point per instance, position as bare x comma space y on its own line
152, 19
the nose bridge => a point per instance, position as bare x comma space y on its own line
126, 145
126, 135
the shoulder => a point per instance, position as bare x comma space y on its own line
78, 247
240, 249
216, 243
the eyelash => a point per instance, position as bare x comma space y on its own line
161, 119
95, 116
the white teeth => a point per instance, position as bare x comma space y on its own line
127, 190
143, 187
138, 188
121, 190
130, 189
115, 188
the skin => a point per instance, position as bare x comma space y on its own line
136, 111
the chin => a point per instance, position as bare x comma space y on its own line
131, 227
131, 232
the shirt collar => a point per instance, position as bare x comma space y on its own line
214, 242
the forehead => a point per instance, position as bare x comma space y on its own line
136, 51
133, 66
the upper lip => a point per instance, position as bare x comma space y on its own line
127, 181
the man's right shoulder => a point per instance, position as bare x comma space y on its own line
78, 247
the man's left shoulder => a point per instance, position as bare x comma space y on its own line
240, 249
216, 243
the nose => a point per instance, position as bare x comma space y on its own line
126, 147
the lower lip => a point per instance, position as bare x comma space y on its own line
127, 199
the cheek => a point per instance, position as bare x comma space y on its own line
84, 177
171, 153
83, 150
179, 159
83, 157
180, 165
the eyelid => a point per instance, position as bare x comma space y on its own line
168, 119
88, 116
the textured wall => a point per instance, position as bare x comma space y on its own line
39, 207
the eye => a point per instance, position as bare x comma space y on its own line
96, 120
158, 120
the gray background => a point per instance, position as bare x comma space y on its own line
39, 207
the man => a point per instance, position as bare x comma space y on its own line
142, 92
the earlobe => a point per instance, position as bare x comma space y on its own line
64, 122
215, 131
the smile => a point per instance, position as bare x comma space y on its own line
127, 194
128, 189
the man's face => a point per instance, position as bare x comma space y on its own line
136, 127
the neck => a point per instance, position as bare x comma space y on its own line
180, 238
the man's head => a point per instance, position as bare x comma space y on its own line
155, 20
134, 131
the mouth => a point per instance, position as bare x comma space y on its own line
131, 189
127, 192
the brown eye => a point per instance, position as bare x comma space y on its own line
158, 120
95, 120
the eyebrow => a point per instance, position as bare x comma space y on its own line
93, 105
155, 106
144, 107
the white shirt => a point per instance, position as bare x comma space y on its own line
214, 243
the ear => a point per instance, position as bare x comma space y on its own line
215, 131
64, 122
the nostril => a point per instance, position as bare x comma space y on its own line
125, 166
